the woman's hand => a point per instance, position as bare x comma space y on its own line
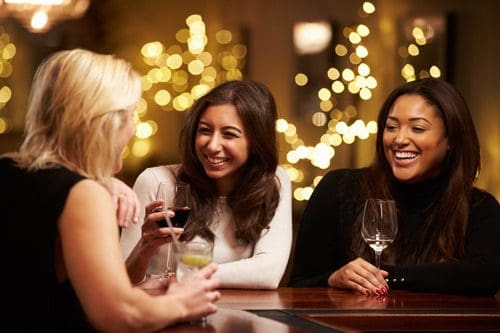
361, 276
127, 203
152, 235
197, 293
152, 238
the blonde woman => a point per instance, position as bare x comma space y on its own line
60, 216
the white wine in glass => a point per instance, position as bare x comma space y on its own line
191, 257
379, 226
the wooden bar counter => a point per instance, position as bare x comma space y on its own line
329, 310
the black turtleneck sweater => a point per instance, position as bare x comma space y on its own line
324, 237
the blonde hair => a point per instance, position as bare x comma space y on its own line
77, 105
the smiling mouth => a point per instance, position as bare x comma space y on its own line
217, 160
405, 156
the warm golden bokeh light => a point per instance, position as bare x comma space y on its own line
301, 79
324, 94
3, 125
435, 71
5, 94
361, 51
224, 36
413, 50
363, 30
340, 50
333, 74
319, 119
368, 7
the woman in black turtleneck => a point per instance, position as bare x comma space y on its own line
427, 158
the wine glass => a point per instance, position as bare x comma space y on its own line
191, 257
181, 205
177, 201
379, 227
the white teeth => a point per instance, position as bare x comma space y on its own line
216, 160
405, 154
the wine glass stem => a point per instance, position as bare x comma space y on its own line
378, 254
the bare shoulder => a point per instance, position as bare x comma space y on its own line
89, 197
88, 188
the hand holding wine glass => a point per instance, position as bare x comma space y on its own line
178, 202
379, 227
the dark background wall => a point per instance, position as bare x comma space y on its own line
123, 26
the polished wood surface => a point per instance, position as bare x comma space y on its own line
294, 310
399, 310
329, 298
234, 321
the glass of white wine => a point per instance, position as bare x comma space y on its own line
379, 227
192, 256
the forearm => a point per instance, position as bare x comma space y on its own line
135, 311
251, 273
137, 263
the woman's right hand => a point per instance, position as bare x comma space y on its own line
361, 276
197, 293
152, 235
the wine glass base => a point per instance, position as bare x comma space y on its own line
200, 322
162, 276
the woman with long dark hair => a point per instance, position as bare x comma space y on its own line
241, 199
427, 159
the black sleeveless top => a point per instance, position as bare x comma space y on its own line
30, 206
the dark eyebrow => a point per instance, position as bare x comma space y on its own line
224, 128
411, 119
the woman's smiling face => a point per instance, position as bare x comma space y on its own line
222, 145
414, 139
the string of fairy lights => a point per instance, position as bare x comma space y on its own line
342, 125
7, 53
422, 32
179, 74
339, 119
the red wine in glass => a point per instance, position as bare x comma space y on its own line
181, 216
179, 220
180, 205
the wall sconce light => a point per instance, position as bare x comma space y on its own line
311, 37
39, 15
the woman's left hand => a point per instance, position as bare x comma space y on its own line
361, 276
126, 203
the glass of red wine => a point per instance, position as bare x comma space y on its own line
179, 203
177, 200
181, 206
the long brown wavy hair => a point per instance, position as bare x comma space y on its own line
443, 237
254, 200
